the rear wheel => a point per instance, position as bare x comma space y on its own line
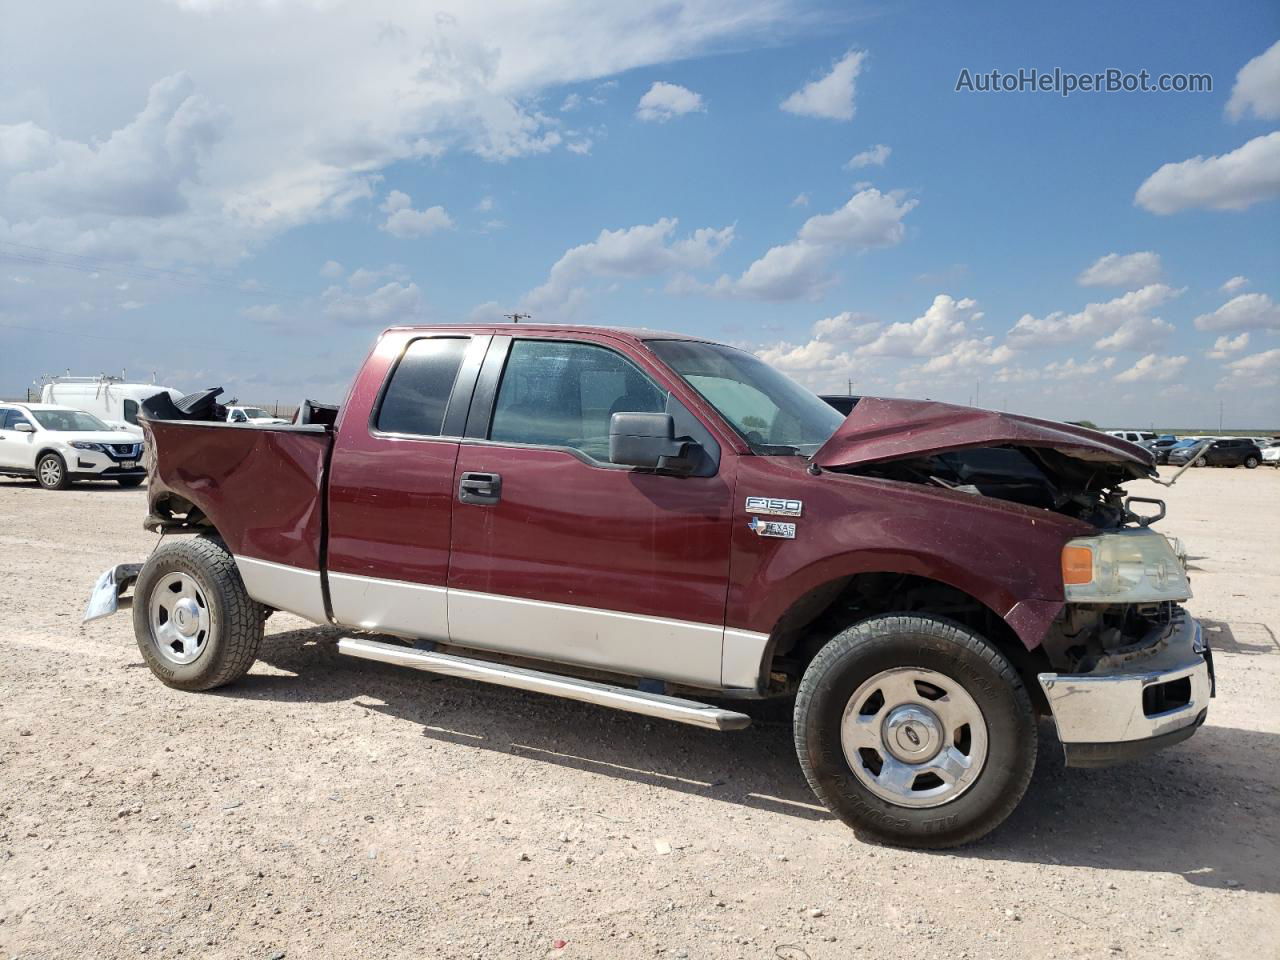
915, 731
196, 625
1250, 462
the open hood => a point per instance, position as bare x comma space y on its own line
881, 429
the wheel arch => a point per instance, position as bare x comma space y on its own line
815, 617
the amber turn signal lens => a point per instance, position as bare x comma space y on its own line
1077, 564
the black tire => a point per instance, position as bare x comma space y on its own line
129, 482
234, 619
1250, 462
51, 472
891, 642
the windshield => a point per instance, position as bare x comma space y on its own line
68, 420
255, 412
774, 414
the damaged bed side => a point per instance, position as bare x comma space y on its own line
258, 487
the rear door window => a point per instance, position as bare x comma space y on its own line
418, 394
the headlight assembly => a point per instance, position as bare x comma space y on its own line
1127, 566
88, 445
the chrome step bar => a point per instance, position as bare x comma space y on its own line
604, 694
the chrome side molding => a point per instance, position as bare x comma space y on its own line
606, 695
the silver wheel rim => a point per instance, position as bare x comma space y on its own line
50, 472
914, 737
179, 616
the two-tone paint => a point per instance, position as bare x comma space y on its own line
579, 562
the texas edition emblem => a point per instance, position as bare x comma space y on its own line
775, 506
772, 528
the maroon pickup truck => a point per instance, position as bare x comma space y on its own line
666, 525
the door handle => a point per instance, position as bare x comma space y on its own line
480, 488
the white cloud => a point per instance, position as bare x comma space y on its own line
405, 222
1136, 333
397, 301
332, 269
1247, 311
799, 269
874, 157
1116, 322
485, 204
1262, 369
1234, 284
644, 250
1153, 368
572, 102
1225, 346
1069, 369
801, 200
666, 100
931, 334
832, 97
1257, 87
581, 147
1122, 270
1233, 181
256, 138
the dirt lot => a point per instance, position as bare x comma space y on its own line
336, 808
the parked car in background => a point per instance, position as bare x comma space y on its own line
112, 400
252, 415
1270, 452
57, 445
1142, 438
1223, 452
1161, 447
842, 403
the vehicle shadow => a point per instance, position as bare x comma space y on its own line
1240, 637
105, 485
1205, 810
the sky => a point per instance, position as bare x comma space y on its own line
245, 192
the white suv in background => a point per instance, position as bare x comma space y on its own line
57, 445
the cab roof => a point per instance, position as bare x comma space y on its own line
633, 334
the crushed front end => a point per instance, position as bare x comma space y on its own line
1139, 671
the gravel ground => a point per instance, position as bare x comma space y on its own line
333, 808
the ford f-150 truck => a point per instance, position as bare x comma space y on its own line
666, 525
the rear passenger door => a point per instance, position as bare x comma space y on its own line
391, 483
557, 553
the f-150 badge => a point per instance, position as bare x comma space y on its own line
775, 506
772, 528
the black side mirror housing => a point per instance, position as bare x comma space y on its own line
648, 440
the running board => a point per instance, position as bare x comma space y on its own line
606, 695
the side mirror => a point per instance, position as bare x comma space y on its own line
23, 427
648, 440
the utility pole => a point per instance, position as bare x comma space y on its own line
850, 382
517, 317
1219, 414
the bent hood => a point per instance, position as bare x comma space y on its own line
881, 429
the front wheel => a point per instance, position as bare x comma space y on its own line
915, 731
1250, 462
196, 625
51, 472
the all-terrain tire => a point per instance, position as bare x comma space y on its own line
51, 472
889, 644
234, 619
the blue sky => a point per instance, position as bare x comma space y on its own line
244, 193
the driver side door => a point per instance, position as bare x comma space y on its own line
558, 554
17, 448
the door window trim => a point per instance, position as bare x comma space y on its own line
484, 402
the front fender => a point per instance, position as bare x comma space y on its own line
1005, 556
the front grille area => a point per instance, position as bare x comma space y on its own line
127, 451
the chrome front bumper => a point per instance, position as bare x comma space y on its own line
1123, 711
